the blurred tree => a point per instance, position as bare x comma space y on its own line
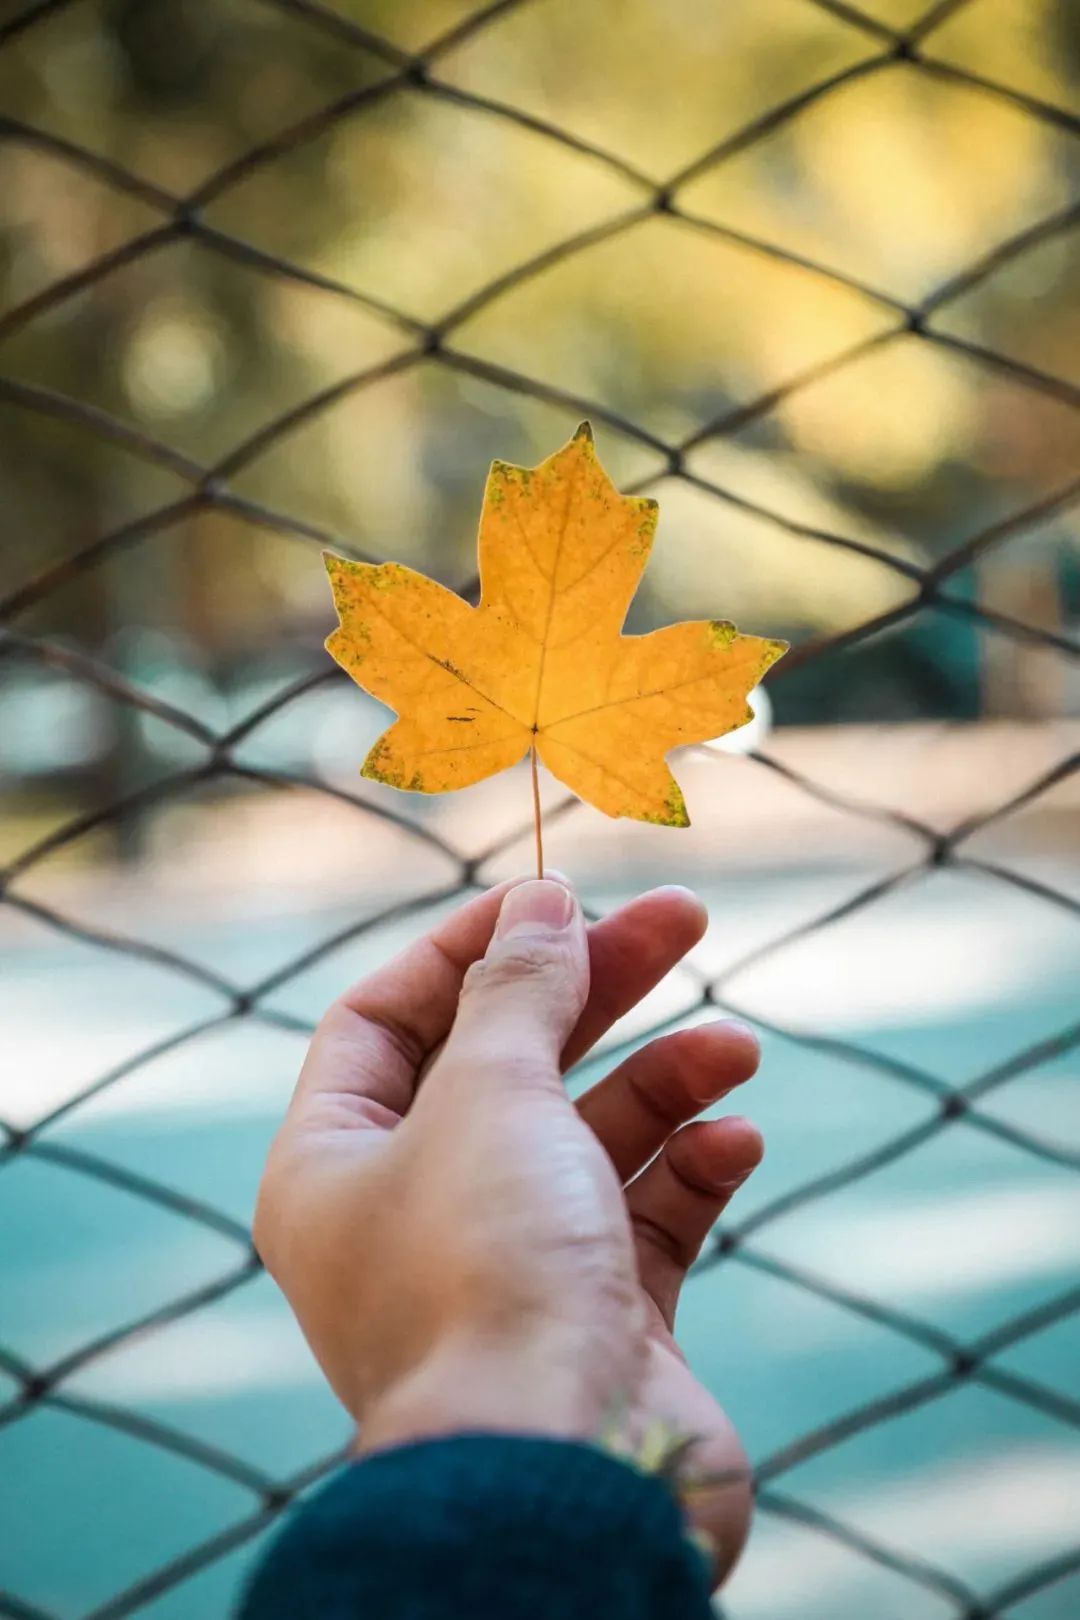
418, 200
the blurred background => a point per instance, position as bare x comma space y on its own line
279, 275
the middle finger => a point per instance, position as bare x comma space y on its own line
663, 1085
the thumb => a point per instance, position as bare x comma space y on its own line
519, 1004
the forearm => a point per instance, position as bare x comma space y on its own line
485, 1525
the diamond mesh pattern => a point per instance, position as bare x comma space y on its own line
177, 218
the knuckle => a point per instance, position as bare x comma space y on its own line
522, 961
679, 1252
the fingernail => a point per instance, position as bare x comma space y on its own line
537, 907
731, 1184
737, 1027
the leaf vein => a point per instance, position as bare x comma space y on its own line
600, 765
637, 697
565, 590
547, 578
571, 487
471, 748
455, 672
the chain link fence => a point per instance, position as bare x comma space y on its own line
927, 587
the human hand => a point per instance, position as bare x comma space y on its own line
475, 1252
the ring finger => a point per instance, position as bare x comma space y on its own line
640, 1104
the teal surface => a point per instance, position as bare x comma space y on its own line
962, 1234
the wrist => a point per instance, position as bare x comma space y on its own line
549, 1384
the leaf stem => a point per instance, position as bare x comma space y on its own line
536, 813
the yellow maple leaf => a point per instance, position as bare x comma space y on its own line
542, 663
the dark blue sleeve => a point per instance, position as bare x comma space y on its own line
478, 1526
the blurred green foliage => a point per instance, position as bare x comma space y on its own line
897, 179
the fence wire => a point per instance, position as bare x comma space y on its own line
957, 1107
